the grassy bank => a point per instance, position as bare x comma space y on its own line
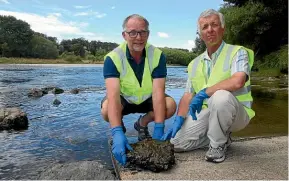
43, 61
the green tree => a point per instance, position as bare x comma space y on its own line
16, 33
200, 46
259, 24
4, 50
42, 48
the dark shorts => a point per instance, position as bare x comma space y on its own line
128, 108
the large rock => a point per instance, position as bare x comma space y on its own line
152, 155
13, 118
83, 170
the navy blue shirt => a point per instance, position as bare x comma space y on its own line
110, 70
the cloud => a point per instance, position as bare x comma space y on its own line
51, 25
82, 7
55, 14
81, 14
171, 44
5, 1
113, 7
91, 13
37, 2
163, 35
189, 45
83, 24
100, 15
192, 43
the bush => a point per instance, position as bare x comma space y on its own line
72, 58
179, 57
277, 59
90, 57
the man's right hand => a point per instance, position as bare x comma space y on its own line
119, 144
179, 120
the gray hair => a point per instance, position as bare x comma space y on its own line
135, 16
210, 12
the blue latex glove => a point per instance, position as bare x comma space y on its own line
179, 120
119, 144
197, 103
158, 131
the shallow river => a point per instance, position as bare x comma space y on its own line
74, 130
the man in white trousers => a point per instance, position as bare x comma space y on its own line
217, 95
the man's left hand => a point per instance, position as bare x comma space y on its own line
158, 131
197, 103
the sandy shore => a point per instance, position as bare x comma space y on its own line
247, 159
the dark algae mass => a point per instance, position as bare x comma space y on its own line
152, 155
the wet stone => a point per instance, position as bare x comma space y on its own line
13, 118
74, 91
35, 92
57, 90
56, 102
151, 154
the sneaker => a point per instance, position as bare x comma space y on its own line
143, 132
216, 155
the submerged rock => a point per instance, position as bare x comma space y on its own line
152, 155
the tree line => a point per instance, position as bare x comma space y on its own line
17, 39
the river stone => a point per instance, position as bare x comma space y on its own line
56, 102
57, 90
13, 118
151, 154
74, 91
35, 92
82, 170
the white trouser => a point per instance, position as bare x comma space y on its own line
224, 114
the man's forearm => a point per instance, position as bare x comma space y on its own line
159, 106
184, 104
114, 111
232, 84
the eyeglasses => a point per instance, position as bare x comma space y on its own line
133, 33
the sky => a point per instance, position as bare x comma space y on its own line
173, 23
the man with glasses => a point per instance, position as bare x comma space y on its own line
135, 74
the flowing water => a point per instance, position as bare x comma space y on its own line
75, 130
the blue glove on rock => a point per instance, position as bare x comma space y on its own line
197, 103
158, 131
119, 144
179, 120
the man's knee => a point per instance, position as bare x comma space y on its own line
221, 98
171, 107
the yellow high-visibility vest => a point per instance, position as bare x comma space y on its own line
130, 88
220, 72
